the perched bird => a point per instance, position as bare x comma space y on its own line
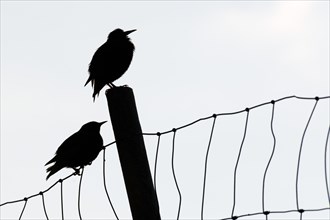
111, 60
79, 149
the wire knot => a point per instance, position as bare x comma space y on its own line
301, 210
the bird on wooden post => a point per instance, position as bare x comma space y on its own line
78, 150
111, 60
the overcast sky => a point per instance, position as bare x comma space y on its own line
192, 59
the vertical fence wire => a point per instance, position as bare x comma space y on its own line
156, 161
301, 214
43, 204
20, 216
237, 161
105, 187
62, 206
300, 150
173, 172
269, 161
325, 165
205, 166
79, 192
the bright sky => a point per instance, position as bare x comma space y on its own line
192, 59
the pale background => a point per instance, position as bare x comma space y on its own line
192, 59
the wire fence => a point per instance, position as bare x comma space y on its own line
264, 212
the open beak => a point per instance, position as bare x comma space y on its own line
101, 123
128, 32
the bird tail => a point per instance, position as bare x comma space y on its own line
88, 80
52, 170
51, 161
94, 95
96, 90
98, 85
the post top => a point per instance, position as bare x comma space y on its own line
118, 89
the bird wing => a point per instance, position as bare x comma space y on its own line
109, 60
97, 70
68, 149
100, 57
70, 146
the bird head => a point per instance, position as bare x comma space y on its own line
119, 34
92, 126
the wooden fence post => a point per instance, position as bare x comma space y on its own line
132, 154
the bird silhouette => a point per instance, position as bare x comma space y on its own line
79, 149
111, 60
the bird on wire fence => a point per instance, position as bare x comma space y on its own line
111, 60
79, 149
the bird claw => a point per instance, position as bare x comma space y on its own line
76, 171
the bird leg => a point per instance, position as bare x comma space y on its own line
77, 171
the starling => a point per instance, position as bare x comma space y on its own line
111, 60
79, 149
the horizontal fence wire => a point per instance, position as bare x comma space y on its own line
174, 130
236, 112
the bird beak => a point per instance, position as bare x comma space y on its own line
128, 32
101, 123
